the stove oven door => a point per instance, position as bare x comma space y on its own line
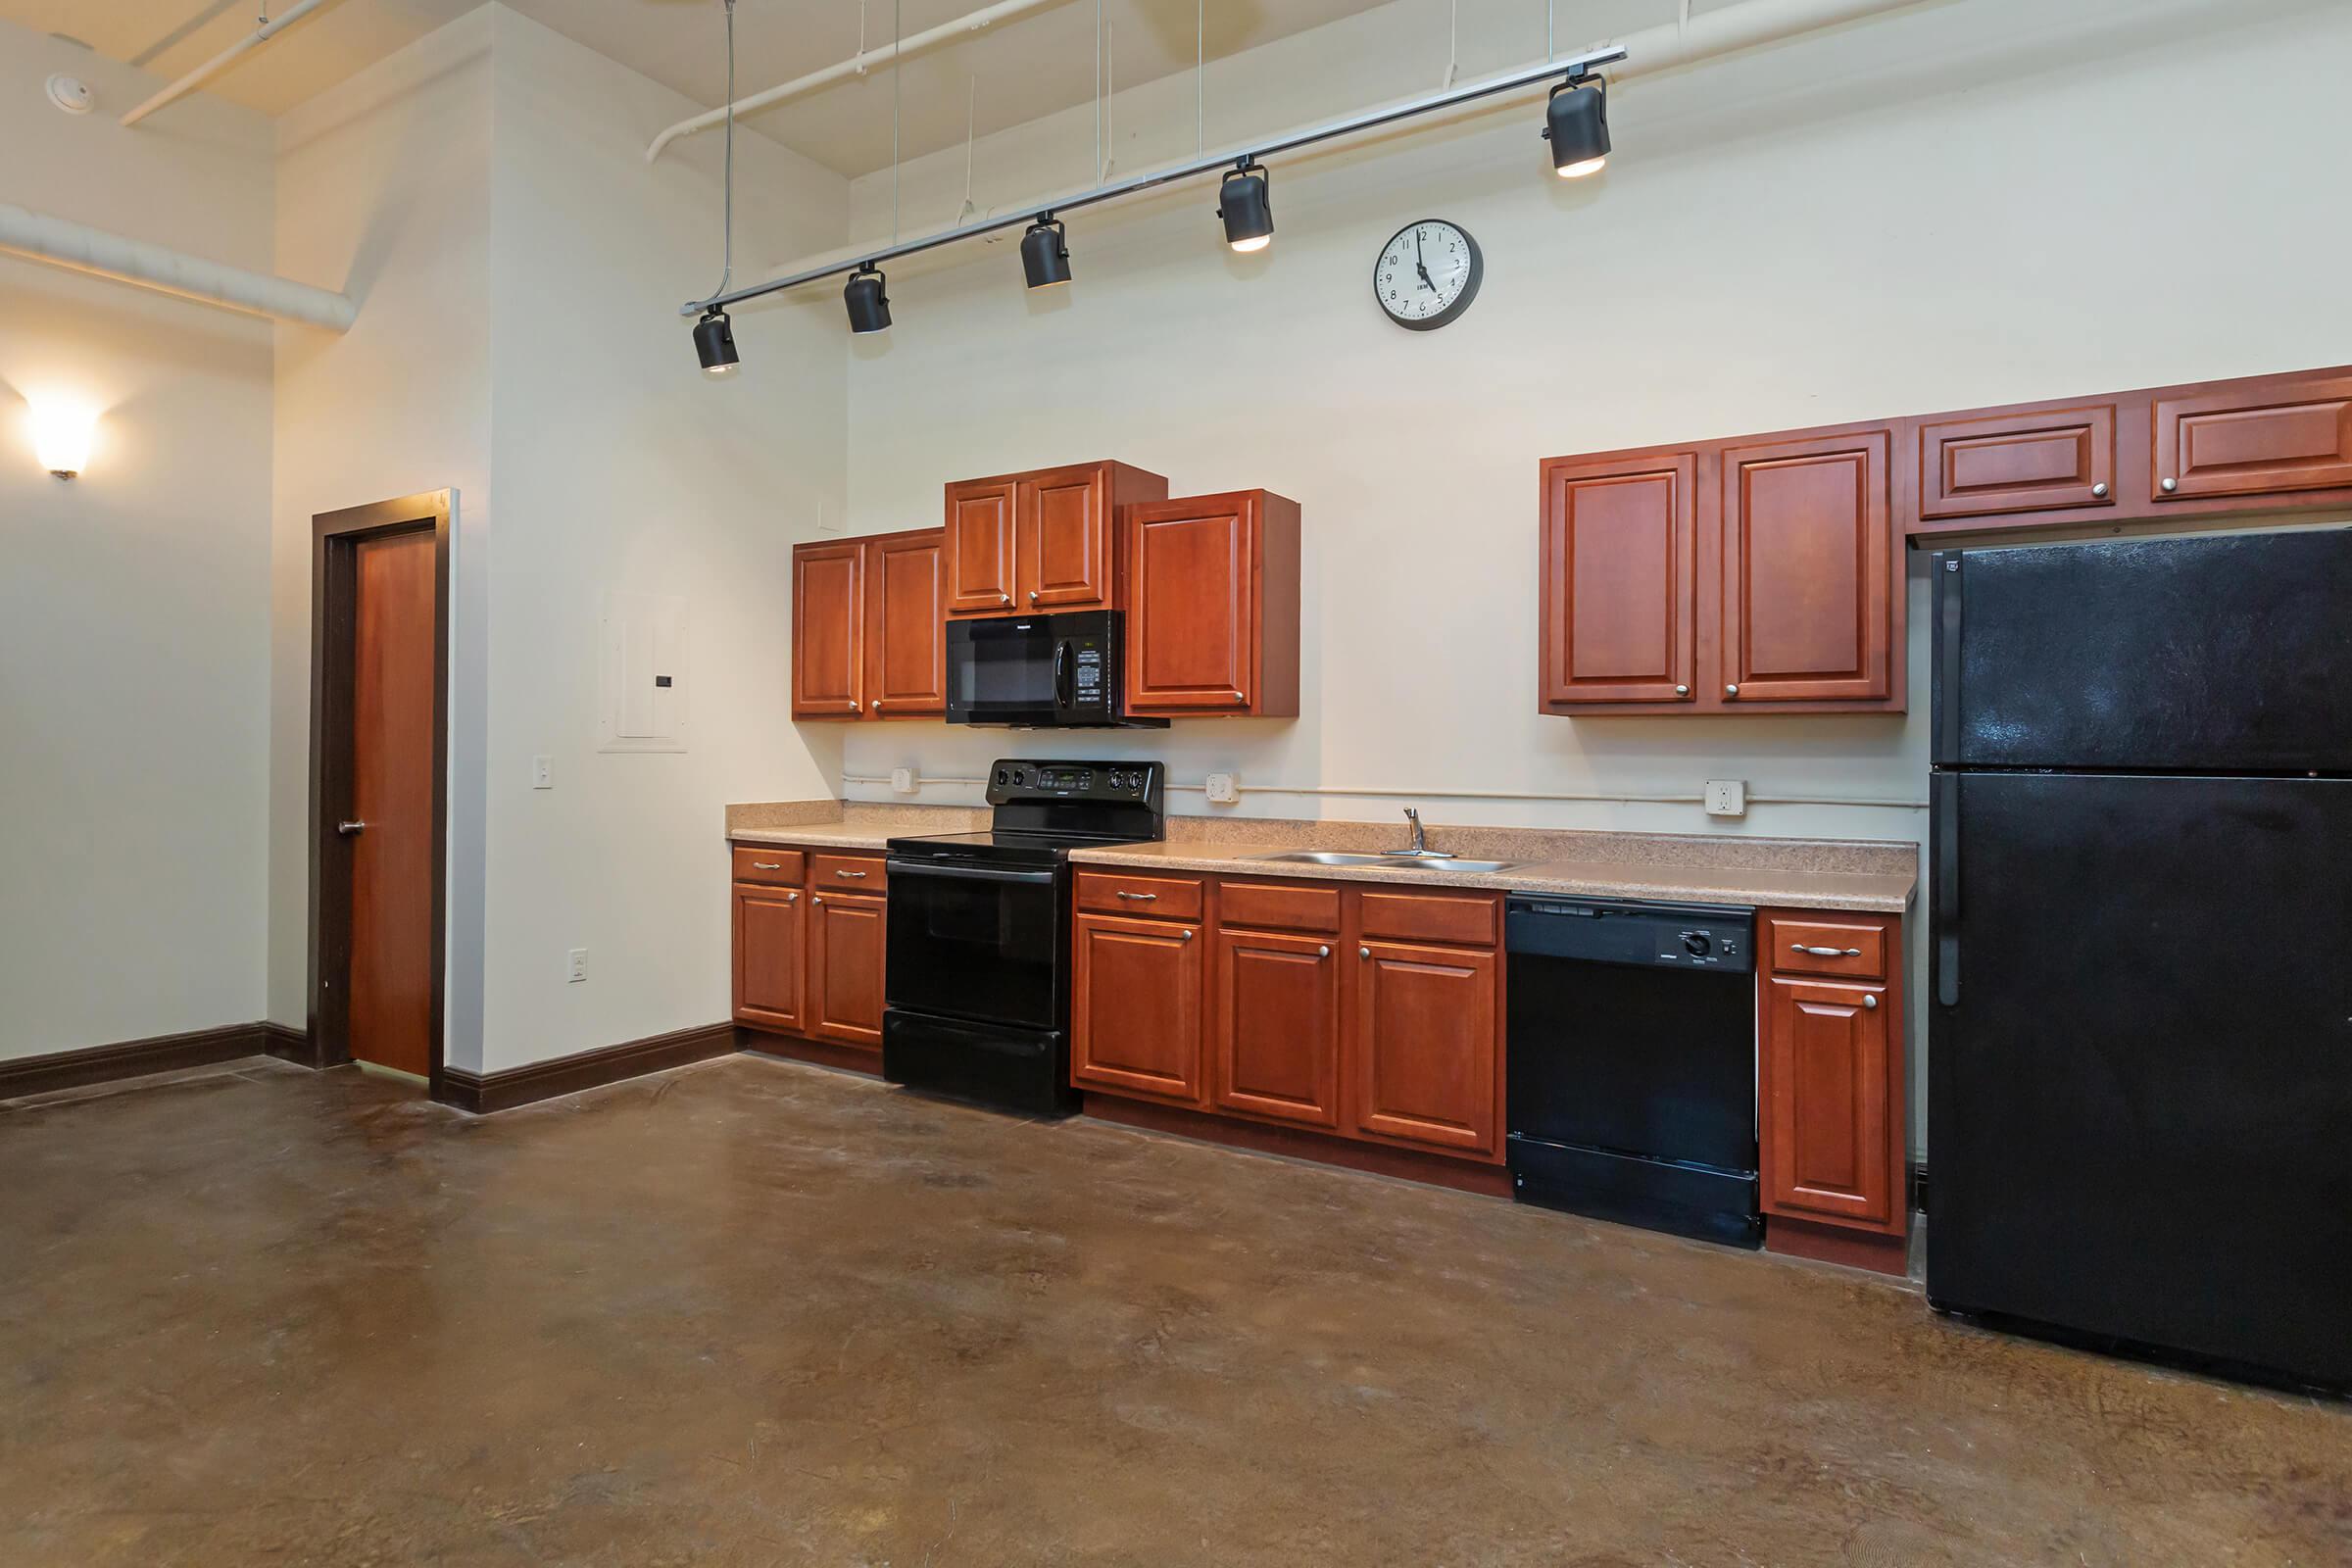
976, 942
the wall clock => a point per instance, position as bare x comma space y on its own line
1427, 274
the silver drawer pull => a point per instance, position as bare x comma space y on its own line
767, 865
1871, 1002
1323, 953
1363, 952
1185, 935
1831, 953
1140, 898
838, 872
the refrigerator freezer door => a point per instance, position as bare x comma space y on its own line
2138, 1108
2224, 655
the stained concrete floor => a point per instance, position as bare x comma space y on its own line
751, 1312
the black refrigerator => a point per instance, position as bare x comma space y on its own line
2139, 1103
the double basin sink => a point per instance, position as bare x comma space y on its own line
1407, 861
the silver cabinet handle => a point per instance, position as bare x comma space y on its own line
767, 865
1140, 898
347, 829
1032, 595
817, 899
1731, 690
874, 706
1871, 1004
1185, 935
2171, 484
1323, 952
2099, 490
1831, 953
792, 897
1363, 952
838, 872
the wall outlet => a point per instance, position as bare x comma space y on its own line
1727, 796
543, 772
575, 967
1224, 788
903, 781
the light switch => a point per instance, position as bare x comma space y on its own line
1727, 796
543, 772
575, 966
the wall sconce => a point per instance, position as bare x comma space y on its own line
62, 433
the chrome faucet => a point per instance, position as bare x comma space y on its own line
1419, 849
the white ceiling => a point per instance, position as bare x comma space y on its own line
1024, 68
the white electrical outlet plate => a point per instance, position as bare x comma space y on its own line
902, 780
575, 966
1727, 796
1224, 788
543, 772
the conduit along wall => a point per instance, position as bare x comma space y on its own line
79, 247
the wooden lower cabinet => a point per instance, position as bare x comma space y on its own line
808, 961
768, 945
1274, 1015
1426, 1038
844, 969
1135, 1007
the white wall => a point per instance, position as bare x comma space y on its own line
134, 601
1968, 204
620, 467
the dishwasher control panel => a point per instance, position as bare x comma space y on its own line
1673, 935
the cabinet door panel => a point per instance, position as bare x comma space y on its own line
844, 969
1274, 1014
1807, 571
1065, 544
905, 636
1826, 1086
768, 949
1426, 1046
828, 630
2008, 463
1619, 575
1192, 611
2274, 438
978, 557
1135, 1009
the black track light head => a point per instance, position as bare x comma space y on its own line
869, 306
715, 343
1245, 201
1046, 252
1577, 123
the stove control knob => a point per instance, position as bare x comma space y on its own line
1117, 780
1020, 775
1001, 777
1697, 944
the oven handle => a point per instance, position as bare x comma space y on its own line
968, 873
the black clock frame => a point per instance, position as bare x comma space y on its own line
1478, 273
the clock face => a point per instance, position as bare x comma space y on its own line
1427, 274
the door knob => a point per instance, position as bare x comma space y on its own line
2170, 485
1184, 935
1871, 1002
818, 899
1731, 690
1323, 952
1682, 691
1363, 952
1032, 595
874, 706
347, 829
2099, 490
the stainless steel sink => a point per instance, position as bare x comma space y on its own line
1427, 862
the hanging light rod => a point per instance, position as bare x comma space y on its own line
1570, 66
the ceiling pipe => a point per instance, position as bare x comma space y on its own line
1648, 52
227, 56
857, 65
84, 249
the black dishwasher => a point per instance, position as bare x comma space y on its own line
1632, 1063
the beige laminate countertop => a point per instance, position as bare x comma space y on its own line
851, 825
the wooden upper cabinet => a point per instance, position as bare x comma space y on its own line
1213, 606
1135, 1007
2278, 435
979, 553
1043, 540
905, 641
2012, 462
1619, 584
828, 630
1809, 593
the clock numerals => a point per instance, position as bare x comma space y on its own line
1426, 274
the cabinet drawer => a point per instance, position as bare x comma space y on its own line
1848, 950
845, 873
775, 868
1464, 918
2018, 463
1278, 907
1156, 898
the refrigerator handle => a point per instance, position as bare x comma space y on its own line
1944, 875
1944, 657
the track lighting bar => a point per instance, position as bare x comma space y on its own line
1570, 67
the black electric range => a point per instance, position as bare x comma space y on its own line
978, 986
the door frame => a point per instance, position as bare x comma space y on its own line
336, 538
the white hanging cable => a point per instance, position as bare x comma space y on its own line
726, 242
972, 102
1200, 77
1110, 89
897, 96
1098, 92
1454, 47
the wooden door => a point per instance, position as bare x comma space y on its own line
390, 829
1135, 1007
770, 957
2275, 436
1824, 1077
906, 625
1067, 553
1426, 1044
1807, 571
844, 969
1996, 464
978, 558
1192, 604
1619, 586
828, 630
1274, 1019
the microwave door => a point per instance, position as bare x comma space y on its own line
1000, 673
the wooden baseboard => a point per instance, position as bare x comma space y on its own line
1436, 1169
289, 1044
822, 1053
486, 1093
1832, 1244
131, 1058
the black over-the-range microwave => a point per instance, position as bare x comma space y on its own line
1039, 671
